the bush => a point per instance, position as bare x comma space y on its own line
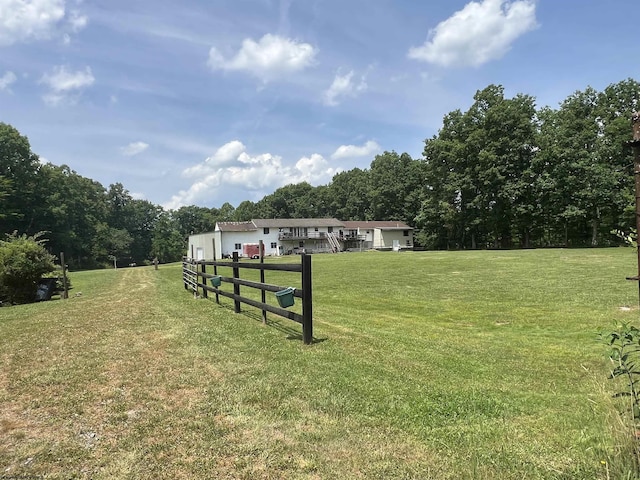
23, 260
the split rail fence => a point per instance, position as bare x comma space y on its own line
196, 274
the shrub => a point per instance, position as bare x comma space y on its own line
23, 260
624, 353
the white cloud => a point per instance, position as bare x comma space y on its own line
352, 151
232, 167
62, 80
227, 153
482, 31
77, 21
26, 20
270, 57
6, 80
344, 86
314, 169
134, 148
65, 85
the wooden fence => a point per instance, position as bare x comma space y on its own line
196, 274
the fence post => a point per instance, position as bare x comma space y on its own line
264, 294
205, 294
307, 301
184, 272
215, 267
236, 287
65, 288
194, 282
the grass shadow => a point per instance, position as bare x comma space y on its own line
256, 315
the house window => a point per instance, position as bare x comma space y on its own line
408, 243
316, 229
274, 245
405, 233
238, 246
265, 230
301, 244
330, 229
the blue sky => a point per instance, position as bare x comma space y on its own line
206, 102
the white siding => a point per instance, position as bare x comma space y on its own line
203, 243
268, 239
386, 237
230, 240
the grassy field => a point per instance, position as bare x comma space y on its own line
444, 365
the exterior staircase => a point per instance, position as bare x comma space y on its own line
334, 243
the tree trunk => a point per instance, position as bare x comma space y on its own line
595, 224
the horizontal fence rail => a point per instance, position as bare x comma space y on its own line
196, 274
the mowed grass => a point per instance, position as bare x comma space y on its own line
443, 365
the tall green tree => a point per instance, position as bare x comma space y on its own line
245, 211
616, 105
72, 210
19, 194
478, 173
394, 187
349, 196
193, 219
589, 164
291, 201
141, 216
135, 217
444, 218
168, 243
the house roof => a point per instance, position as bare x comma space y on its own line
296, 222
235, 226
382, 225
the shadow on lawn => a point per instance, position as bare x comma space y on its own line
276, 323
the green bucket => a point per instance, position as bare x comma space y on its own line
216, 281
285, 297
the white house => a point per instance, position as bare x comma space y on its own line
279, 236
296, 235
379, 235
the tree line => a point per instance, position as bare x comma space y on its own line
501, 174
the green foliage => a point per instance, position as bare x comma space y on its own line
624, 353
168, 244
630, 238
501, 174
194, 219
73, 211
349, 195
19, 195
23, 260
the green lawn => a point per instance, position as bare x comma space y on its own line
444, 365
